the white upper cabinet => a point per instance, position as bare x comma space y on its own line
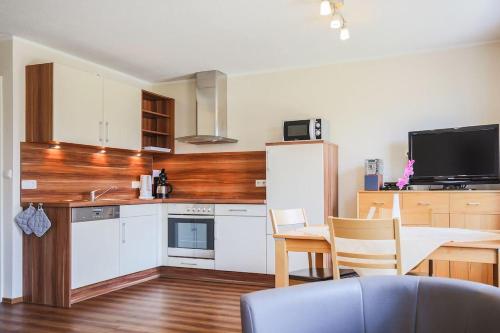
77, 106
66, 104
122, 115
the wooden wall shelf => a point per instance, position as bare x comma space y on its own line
158, 121
154, 132
154, 114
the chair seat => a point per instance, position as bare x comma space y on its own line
319, 274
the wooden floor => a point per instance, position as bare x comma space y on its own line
160, 305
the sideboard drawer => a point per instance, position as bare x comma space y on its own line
437, 202
375, 199
475, 203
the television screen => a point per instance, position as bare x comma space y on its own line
467, 155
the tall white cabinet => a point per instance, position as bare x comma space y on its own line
300, 174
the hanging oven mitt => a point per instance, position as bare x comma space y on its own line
23, 217
39, 222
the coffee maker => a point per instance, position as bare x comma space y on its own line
161, 186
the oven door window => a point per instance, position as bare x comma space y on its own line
187, 233
296, 130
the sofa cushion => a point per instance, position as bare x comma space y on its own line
383, 304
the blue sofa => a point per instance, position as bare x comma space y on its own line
382, 304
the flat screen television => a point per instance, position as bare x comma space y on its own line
455, 156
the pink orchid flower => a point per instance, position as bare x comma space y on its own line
402, 182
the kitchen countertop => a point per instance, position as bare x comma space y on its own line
115, 202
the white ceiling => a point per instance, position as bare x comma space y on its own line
165, 39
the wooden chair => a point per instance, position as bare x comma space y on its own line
290, 217
363, 229
420, 217
297, 217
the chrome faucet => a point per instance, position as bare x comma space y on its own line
94, 197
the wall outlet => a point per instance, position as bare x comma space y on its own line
28, 184
260, 183
136, 184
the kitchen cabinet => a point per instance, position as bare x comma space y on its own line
240, 238
122, 116
65, 104
138, 243
94, 252
77, 106
478, 210
240, 244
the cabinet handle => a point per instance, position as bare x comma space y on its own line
107, 131
100, 131
123, 233
473, 204
237, 210
378, 203
423, 203
188, 263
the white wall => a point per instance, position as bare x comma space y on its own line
371, 105
6, 164
24, 53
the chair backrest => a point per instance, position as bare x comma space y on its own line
363, 229
284, 217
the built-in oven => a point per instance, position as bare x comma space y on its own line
191, 231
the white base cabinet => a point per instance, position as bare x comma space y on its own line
240, 244
94, 252
106, 249
138, 243
240, 238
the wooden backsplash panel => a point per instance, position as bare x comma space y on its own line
215, 175
72, 171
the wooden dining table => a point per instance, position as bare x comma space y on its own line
485, 252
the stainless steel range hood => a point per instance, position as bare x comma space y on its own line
211, 110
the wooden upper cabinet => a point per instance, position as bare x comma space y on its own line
64, 104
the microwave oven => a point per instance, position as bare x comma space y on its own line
307, 129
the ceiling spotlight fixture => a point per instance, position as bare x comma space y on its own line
337, 21
334, 7
325, 8
344, 33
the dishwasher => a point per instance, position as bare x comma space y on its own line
95, 242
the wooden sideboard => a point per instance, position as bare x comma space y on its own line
449, 209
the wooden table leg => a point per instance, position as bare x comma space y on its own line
496, 270
318, 260
281, 278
